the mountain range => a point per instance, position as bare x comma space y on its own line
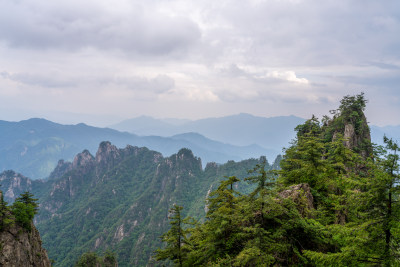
242, 129
118, 199
33, 147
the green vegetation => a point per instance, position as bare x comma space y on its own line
175, 238
5, 218
22, 211
334, 203
122, 202
91, 259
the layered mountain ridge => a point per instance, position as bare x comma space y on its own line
118, 199
33, 147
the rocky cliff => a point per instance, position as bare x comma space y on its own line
349, 122
20, 247
13, 184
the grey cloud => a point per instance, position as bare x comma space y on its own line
145, 86
234, 71
74, 27
50, 80
385, 66
305, 33
157, 85
385, 81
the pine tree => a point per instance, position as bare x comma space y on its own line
217, 238
88, 259
177, 245
24, 209
5, 219
27, 199
264, 180
384, 208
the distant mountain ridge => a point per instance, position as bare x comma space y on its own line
33, 147
377, 133
241, 129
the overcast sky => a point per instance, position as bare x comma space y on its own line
99, 62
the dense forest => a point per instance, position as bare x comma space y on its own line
334, 202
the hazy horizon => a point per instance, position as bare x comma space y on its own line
96, 122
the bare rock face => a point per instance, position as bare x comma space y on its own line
18, 247
349, 136
82, 159
362, 141
357, 137
301, 195
13, 184
107, 152
61, 168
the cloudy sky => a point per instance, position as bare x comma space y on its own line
99, 62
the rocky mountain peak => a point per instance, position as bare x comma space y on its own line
107, 152
358, 136
185, 157
82, 159
61, 168
185, 152
350, 122
211, 165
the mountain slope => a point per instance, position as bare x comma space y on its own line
119, 200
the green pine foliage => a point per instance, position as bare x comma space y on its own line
92, 259
332, 203
5, 216
22, 211
88, 259
177, 244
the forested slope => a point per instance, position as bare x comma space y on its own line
333, 203
118, 200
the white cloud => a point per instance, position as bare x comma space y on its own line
287, 76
